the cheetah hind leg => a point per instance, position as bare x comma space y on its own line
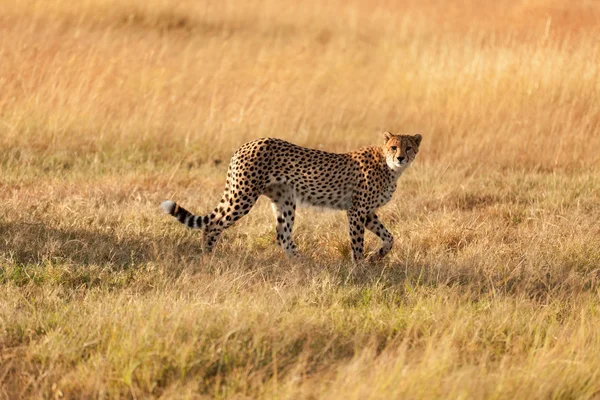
228, 212
284, 208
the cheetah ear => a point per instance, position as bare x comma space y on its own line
418, 138
387, 136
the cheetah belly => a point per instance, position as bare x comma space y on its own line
315, 193
341, 202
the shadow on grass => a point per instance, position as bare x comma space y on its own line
26, 243
37, 244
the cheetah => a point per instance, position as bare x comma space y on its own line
358, 182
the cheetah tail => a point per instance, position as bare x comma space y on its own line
184, 216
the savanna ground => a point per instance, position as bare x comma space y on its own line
109, 107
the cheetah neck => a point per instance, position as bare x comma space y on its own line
397, 173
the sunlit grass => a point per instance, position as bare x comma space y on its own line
107, 108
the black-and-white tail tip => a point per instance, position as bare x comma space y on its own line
184, 216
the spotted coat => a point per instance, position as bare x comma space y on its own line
358, 182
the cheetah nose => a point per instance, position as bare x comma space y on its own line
400, 159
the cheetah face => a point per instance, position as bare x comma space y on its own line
400, 150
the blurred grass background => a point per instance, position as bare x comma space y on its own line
108, 107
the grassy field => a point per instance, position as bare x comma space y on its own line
108, 107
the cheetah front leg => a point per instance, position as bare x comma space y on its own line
374, 225
356, 221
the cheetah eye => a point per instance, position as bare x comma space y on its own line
394, 148
408, 148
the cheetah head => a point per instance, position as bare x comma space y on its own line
400, 150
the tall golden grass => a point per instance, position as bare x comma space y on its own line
108, 107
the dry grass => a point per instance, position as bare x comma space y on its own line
108, 107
